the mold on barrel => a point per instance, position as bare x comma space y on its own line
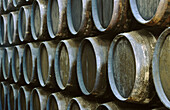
129, 66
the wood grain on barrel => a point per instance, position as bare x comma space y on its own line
29, 62
124, 67
55, 16
37, 19
105, 11
44, 62
64, 65
147, 8
88, 60
76, 13
164, 66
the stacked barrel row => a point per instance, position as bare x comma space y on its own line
84, 54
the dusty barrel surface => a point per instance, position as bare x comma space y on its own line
24, 98
92, 65
65, 64
13, 35
13, 97
17, 63
129, 66
6, 63
3, 29
154, 12
39, 20
8, 6
4, 86
80, 103
109, 15
45, 64
56, 18
79, 17
161, 67
30, 63
24, 24
38, 99
57, 101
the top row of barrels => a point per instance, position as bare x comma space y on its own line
57, 18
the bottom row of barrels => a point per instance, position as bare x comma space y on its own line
13, 97
125, 65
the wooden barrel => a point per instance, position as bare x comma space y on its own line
65, 65
3, 95
6, 63
80, 103
1, 63
24, 24
17, 63
92, 71
19, 3
38, 99
45, 64
129, 66
160, 65
57, 101
154, 12
39, 20
79, 17
24, 98
110, 15
13, 97
30, 63
56, 18
13, 35
3, 29
8, 6
117, 105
